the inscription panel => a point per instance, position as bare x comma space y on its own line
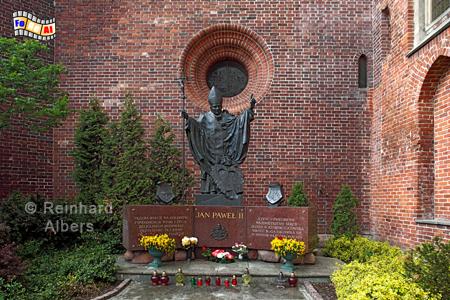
263, 224
219, 226
176, 221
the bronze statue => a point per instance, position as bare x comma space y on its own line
219, 143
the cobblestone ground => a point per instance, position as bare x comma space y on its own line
260, 289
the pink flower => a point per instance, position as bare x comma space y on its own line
229, 256
215, 252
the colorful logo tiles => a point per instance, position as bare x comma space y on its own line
26, 24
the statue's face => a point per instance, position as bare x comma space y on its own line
216, 109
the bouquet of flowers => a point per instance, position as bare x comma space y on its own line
240, 249
283, 246
222, 256
206, 252
188, 242
160, 242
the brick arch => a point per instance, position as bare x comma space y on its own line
224, 42
421, 69
426, 126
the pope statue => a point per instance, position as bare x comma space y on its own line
219, 144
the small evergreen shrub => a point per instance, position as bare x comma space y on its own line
358, 248
298, 196
429, 266
125, 167
127, 178
165, 159
344, 216
89, 142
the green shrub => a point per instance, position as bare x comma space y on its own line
429, 266
23, 226
165, 159
55, 274
11, 265
379, 278
344, 216
29, 87
298, 196
12, 290
358, 248
90, 136
128, 180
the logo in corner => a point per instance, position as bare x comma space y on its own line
25, 24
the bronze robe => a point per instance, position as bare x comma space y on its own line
219, 145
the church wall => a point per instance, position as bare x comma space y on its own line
25, 157
409, 132
312, 125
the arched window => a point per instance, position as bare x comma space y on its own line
362, 71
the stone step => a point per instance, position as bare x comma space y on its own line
320, 271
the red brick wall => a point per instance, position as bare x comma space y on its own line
410, 106
25, 157
313, 125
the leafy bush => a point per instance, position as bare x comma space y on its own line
12, 290
29, 85
298, 196
11, 265
89, 142
379, 278
25, 226
344, 217
429, 266
4, 233
358, 248
165, 159
59, 274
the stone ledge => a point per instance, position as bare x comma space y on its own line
442, 222
323, 268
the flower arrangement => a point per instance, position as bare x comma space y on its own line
206, 252
160, 242
240, 249
283, 246
222, 256
188, 242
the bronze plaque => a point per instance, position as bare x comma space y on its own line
140, 220
265, 223
219, 226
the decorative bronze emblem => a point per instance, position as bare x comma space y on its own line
219, 233
164, 193
229, 77
275, 194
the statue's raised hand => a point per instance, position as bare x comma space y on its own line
252, 102
184, 114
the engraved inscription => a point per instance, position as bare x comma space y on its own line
172, 225
270, 227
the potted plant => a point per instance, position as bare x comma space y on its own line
189, 244
157, 245
289, 249
241, 250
